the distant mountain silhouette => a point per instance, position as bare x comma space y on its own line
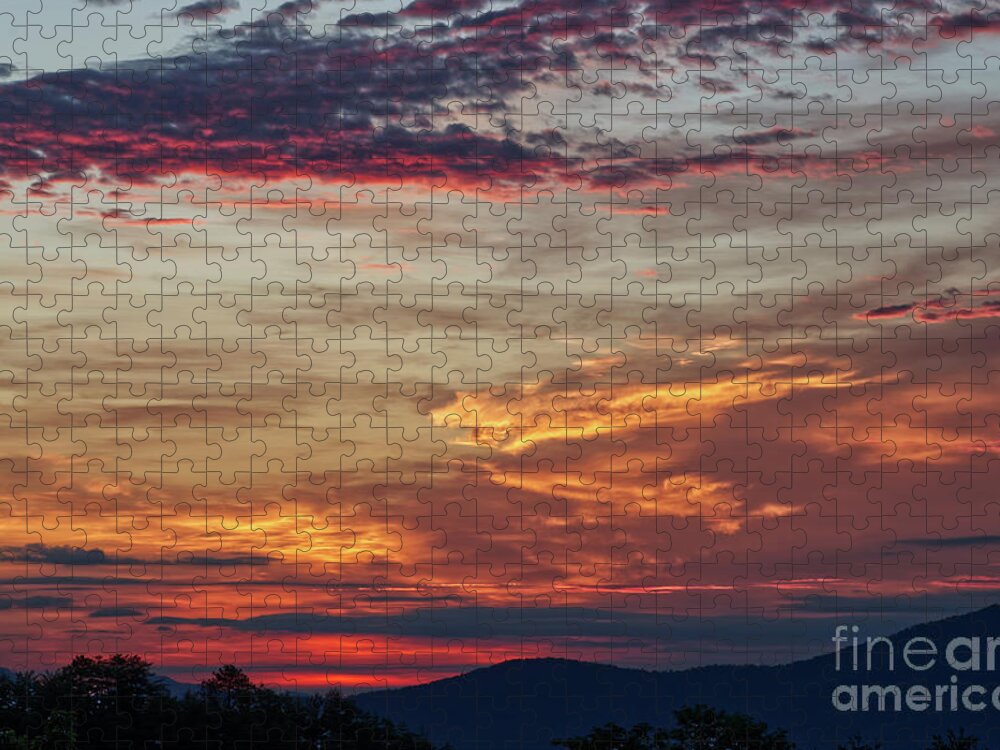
175, 688
524, 704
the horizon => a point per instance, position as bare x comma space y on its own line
348, 689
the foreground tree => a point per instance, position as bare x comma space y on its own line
704, 728
100, 702
856, 743
953, 741
117, 703
615, 737
695, 728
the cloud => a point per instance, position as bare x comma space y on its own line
206, 9
117, 612
442, 8
78, 557
58, 555
294, 8
208, 559
807, 625
772, 135
233, 115
960, 542
263, 99
437, 622
40, 601
886, 312
966, 23
940, 312
940, 309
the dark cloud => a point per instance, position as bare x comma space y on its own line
207, 9
78, 557
208, 559
294, 8
774, 135
962, 542
57, 555
585, 623
71, 581
484, 622
939, 310
968, 22
438, 8
271, 104
262, 99
370, 20
888, 311
39, 601
117, 612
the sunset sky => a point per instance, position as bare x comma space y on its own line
363, 343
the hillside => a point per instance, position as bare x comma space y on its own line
525, 704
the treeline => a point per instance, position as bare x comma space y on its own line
705, 728
118, 703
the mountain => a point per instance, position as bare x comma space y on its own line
525, 704
176, 689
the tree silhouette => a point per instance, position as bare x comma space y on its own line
952, 741
704, 728
856, 743
229, 681
99, 702
695, 728
116, 703
615, 737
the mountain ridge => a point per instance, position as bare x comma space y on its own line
527, 703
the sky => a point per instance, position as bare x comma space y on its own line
365, 344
